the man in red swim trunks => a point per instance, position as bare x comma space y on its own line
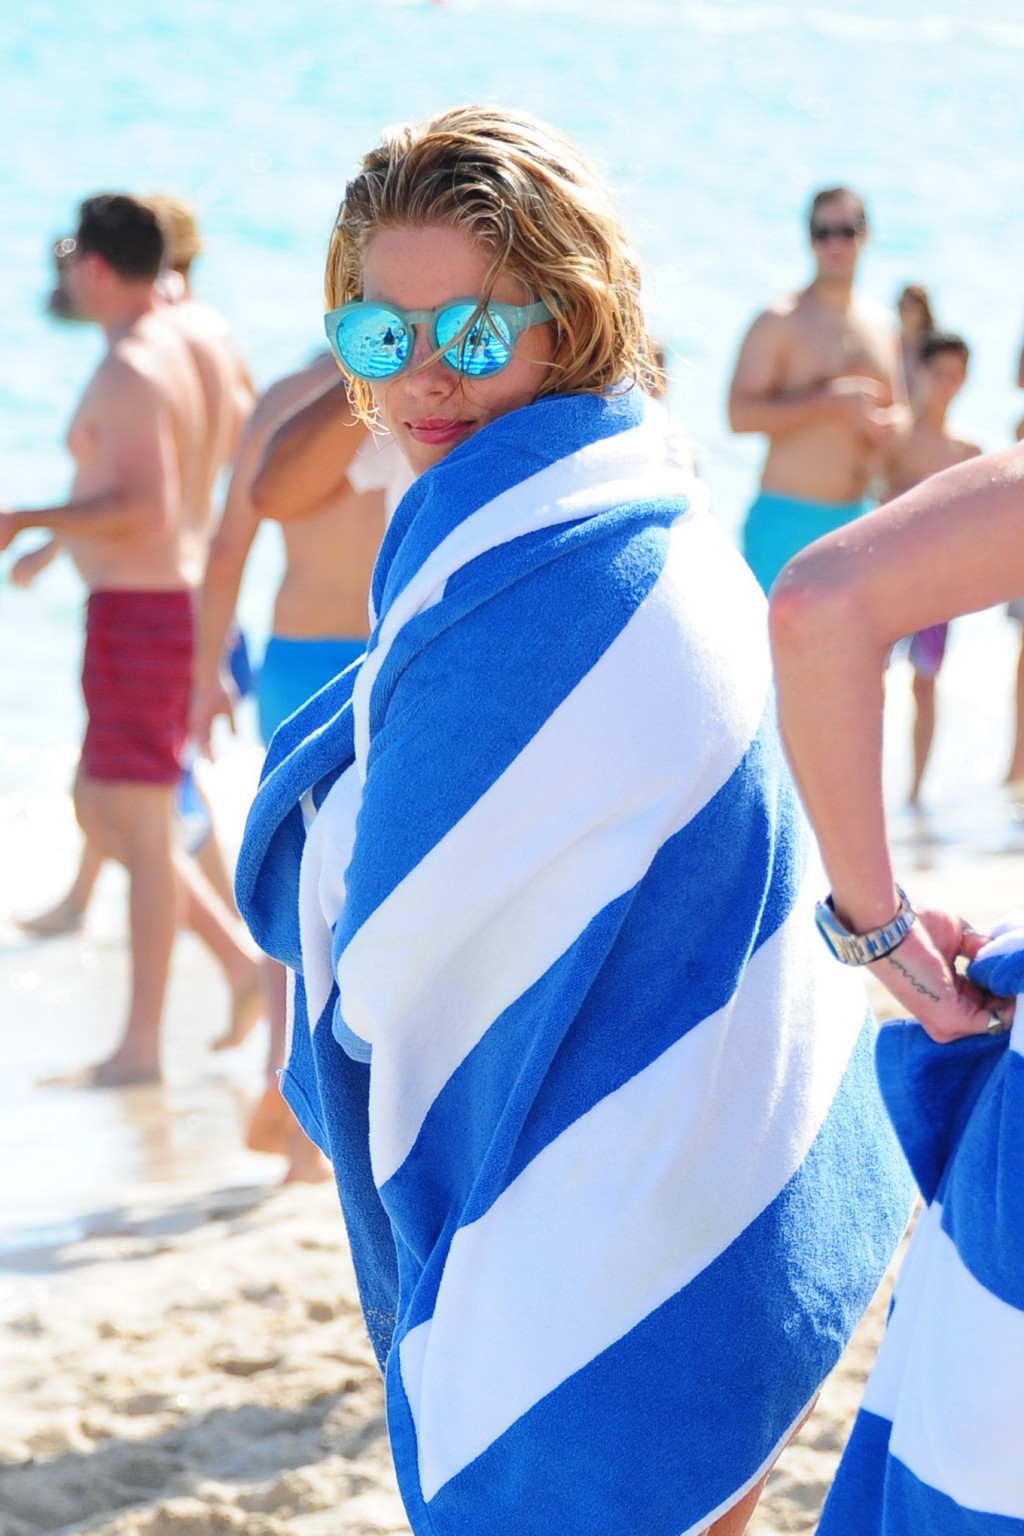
136, 525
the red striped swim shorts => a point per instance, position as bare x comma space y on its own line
137, 682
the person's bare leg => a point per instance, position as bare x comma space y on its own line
924, 730
134, 823
273, 1128
69, 913
1015, 772
223, 934
210, 856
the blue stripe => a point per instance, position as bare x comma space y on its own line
854, 1506
483, 689
343, 1132
675, 1417
983, 1209
502, 455
876, 1494
491, 1118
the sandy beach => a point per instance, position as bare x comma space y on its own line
192, 1361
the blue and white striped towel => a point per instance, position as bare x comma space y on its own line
938, 1445
626, 1152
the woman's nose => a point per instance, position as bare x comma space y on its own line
427, 376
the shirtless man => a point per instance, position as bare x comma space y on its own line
323, 477
819, 374
228, 395
136, 526
923, 448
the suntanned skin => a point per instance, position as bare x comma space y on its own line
300, 440
137, 520
819, 374
926, 447
952, 545
329, 552
228, 397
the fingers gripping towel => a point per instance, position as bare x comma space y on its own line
938, 1445
601, 1107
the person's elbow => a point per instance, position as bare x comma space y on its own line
812, 601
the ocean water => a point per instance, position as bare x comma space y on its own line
712, 119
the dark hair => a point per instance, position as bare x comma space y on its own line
919, 296
124, 231
830, 194
937, 342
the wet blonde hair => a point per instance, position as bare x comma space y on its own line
180, 228
526, 193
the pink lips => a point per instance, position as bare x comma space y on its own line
437, 430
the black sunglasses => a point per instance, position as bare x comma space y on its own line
822, 232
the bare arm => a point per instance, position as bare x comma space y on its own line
305, 465
25, 569
951, 545
759, 402
135, 441
213, 693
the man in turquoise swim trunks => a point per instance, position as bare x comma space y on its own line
819, 374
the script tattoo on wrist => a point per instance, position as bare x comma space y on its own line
918, 986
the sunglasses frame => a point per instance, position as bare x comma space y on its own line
516, 317
849, 231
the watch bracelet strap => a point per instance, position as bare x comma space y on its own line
864, 948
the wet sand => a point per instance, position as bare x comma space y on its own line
189, 1359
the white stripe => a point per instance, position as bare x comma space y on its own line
325, 859
950, 1376
633, 1200
647, 737
632, 466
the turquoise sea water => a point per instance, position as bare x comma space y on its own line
712, 120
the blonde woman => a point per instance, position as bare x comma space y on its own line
602, 1116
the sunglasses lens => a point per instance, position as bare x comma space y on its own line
486, 346
372, 342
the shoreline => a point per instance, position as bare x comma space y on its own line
197, 1365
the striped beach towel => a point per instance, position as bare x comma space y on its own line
938, 1445
602, 1109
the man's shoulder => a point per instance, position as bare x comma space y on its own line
872, 312
779, 314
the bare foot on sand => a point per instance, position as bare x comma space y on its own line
306, 1163
66, 917
118, 1071
247, 1008
273, 1128
271, 1123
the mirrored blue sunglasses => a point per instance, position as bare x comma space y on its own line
375, 341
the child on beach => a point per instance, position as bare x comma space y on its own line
601, 1110
927, 447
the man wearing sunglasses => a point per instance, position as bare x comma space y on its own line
819, 374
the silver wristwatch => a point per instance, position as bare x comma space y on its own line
862, 948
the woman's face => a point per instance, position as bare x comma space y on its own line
430, 410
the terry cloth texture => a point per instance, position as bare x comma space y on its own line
617, 1176
292, 670
137, 683
777, 527
938, 1445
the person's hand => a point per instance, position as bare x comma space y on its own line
921, 974
209, 700
9, 528
881, 426
856, 399
27, 567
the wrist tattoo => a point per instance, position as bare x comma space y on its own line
918, 986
